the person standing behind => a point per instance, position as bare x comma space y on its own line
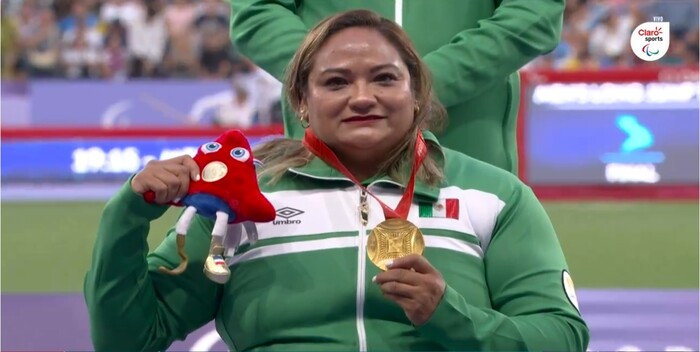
473, 49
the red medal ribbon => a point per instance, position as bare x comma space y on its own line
321, 150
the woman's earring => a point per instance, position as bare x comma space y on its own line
303, 119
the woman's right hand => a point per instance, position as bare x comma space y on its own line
168, 179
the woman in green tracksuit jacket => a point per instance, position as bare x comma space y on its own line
492, 275
473, 48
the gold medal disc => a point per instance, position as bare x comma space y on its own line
392, 239
214, 171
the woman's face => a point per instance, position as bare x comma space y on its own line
359, 97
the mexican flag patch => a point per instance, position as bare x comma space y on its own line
443, 208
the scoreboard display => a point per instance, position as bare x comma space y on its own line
610, 133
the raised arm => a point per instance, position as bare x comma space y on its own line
131, 305
524, 271
477, 58
268, 32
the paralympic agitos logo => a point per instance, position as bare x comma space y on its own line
648, 51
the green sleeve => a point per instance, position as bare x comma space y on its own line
131, 305
531, 310
477, 58
268, 32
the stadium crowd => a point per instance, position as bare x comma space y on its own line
189, 39
596, 34
115, 39
97, 39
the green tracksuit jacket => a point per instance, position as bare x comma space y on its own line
303, 282
472, 47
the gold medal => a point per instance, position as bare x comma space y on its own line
214, 171
392, 239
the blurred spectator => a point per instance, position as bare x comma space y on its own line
692, 39
579, 56
265, 91
80, 13
81, 53
254, 94
125, 12
9, 43
62, 8
41, 46
213, 17
682, 14
147, 39
216, 55
25, 25
236, 112
116, 55
181, 59
179, 16
181, 56
609, 40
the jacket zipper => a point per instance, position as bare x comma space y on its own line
363, 210
398, 12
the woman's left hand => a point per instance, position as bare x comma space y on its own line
414, 284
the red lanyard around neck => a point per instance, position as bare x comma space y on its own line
321, 150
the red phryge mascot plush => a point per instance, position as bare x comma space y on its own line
227, 192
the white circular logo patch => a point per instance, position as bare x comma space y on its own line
569, 289
650, 40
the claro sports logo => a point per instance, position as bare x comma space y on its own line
650, 40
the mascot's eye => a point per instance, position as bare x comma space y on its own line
210, 147
240, 154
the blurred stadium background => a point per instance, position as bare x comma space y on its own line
86, 102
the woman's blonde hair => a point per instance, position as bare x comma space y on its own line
280, 155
